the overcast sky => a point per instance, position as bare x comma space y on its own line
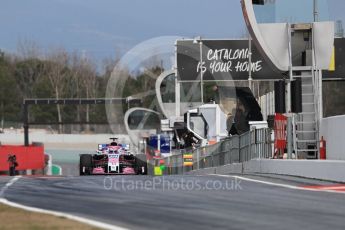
101, 27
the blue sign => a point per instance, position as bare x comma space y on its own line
153, 142
164, 143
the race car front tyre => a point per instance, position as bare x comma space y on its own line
85, 164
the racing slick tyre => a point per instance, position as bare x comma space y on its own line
85, 164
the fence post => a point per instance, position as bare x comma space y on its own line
249, 138
198, 158
239, 149
182, 162
289, 137
229, 153
259, 144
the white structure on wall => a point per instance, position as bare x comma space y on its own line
277, 43
266, 103
332, 131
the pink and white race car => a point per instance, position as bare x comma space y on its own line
111, 158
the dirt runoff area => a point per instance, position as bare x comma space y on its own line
14, 218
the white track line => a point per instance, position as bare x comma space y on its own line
53, 213
8, 184
279, 185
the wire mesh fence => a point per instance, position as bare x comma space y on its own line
254, 144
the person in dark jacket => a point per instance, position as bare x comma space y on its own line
12, 161
239, 120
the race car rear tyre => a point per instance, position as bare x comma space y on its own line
85, 164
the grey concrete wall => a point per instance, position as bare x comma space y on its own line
205, 171
229, 169
318, 169
60, 141
332, 129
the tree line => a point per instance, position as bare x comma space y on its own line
57, 74
61, 74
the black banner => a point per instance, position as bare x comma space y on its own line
222, 60
228, 60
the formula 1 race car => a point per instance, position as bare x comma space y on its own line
112, 158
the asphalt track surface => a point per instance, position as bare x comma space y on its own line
184, 202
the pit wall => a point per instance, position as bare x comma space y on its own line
332, 129
315, 169
59, 141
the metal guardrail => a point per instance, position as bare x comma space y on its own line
254, 144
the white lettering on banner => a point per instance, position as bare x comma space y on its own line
221, 67
203, 67
228, 60
227, 54
244, 66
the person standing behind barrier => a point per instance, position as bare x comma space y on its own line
241, 122
230, 123
12, 160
